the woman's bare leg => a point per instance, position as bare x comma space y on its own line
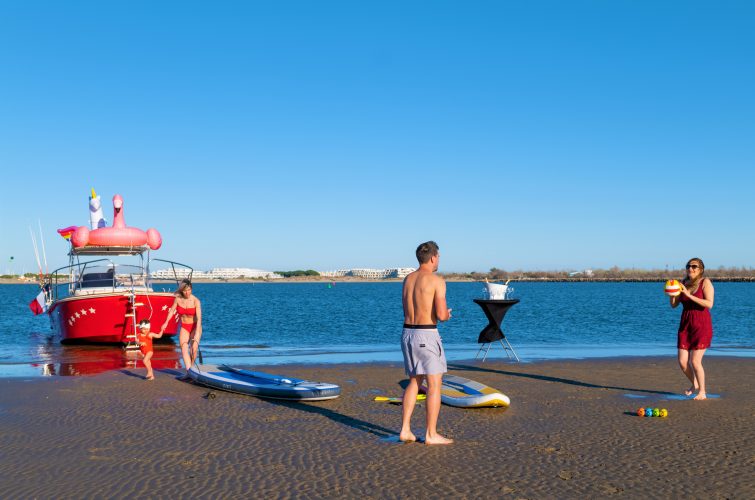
686, 366
183, 339
194, 343
697, 366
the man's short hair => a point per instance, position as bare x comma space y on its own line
426, 250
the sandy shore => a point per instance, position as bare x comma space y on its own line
568, 434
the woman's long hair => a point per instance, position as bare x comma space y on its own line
692, 284
185, 283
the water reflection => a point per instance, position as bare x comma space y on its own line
78, 360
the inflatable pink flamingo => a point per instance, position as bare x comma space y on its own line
118, 235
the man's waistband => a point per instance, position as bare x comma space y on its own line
420, 327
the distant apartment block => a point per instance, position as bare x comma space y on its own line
170, 274
586, 273
217, 273
393, 272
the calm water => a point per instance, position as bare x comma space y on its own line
263, 324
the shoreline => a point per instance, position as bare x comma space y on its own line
751, 279
89, 360
570, 432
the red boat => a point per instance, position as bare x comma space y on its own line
103, 300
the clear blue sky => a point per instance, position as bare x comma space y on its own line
286, 135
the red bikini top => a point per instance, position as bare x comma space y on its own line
186, 311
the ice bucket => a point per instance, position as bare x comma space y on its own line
496, 291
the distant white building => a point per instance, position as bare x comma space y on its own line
229, 273
587, 272
335, 274
400, 272
393, 272
171, 274
217, 273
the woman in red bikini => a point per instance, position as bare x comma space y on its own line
189, 310
695, 327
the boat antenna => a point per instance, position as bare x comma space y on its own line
44, 253
36, 251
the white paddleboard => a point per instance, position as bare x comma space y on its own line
464, 393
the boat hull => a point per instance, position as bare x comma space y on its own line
102, 318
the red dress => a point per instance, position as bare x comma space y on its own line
696, 326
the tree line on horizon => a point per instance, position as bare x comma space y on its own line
298, 272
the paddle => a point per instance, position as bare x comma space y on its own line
420, 397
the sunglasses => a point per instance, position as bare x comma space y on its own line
692, 266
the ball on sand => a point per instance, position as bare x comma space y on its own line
656, 412
663, 413
641, 412
648, 412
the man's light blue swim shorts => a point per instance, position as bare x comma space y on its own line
423, 350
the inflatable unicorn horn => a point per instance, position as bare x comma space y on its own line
96, 218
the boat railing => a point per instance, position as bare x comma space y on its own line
104, 276
96, 277
174, 271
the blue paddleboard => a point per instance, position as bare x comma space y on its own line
260, 384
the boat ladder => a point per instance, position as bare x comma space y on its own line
132, 338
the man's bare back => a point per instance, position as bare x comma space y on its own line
424, 298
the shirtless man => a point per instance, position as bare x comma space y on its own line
424, 298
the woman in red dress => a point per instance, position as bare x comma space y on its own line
695, 327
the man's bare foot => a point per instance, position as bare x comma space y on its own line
407, 437
149, 377
437, 439
690, 391
700, 396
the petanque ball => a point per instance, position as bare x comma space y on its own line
656, 412
648, 412
641, 412
663, 413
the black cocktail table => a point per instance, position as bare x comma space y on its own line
495, 310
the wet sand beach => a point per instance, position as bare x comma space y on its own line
570, 433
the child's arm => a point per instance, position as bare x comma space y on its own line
155, 335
